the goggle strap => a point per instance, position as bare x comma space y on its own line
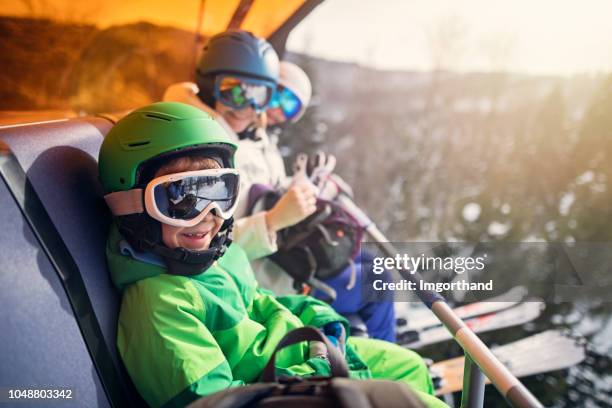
125, 202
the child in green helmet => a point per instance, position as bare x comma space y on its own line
193, 320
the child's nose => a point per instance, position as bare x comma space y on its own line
210, 216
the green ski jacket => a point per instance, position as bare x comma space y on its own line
181, 338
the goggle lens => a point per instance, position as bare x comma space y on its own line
287, 101
239, 94
187, 198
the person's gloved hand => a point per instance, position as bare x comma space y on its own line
300, 173
295, 205
320, 166
336, 334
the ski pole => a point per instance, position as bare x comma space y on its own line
474, 349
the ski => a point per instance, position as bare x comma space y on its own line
547, 351
514, 316
418, 318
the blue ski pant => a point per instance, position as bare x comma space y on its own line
379, 316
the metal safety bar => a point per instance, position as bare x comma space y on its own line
472, 395
478, 357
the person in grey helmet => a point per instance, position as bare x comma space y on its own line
236, 77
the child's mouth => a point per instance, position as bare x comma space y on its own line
195, 236
196, 240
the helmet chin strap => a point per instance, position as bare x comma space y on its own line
188, 262
181, 261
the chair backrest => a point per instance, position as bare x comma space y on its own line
62, 206
42, 346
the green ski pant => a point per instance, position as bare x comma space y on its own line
388, 361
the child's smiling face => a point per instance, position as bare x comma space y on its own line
238, 120
197, 237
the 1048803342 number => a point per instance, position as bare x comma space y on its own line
9, 394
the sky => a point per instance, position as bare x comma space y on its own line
560, 37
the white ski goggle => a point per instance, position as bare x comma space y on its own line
181, 199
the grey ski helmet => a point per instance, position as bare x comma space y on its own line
235, 52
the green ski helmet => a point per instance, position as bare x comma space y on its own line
156, 133
136, 147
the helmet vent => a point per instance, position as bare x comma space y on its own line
138, 144
159, 117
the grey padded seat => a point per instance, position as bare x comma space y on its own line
64, 270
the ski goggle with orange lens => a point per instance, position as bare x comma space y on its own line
239, 93
287, 101
181, 199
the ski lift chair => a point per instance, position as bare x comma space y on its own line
58, 303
